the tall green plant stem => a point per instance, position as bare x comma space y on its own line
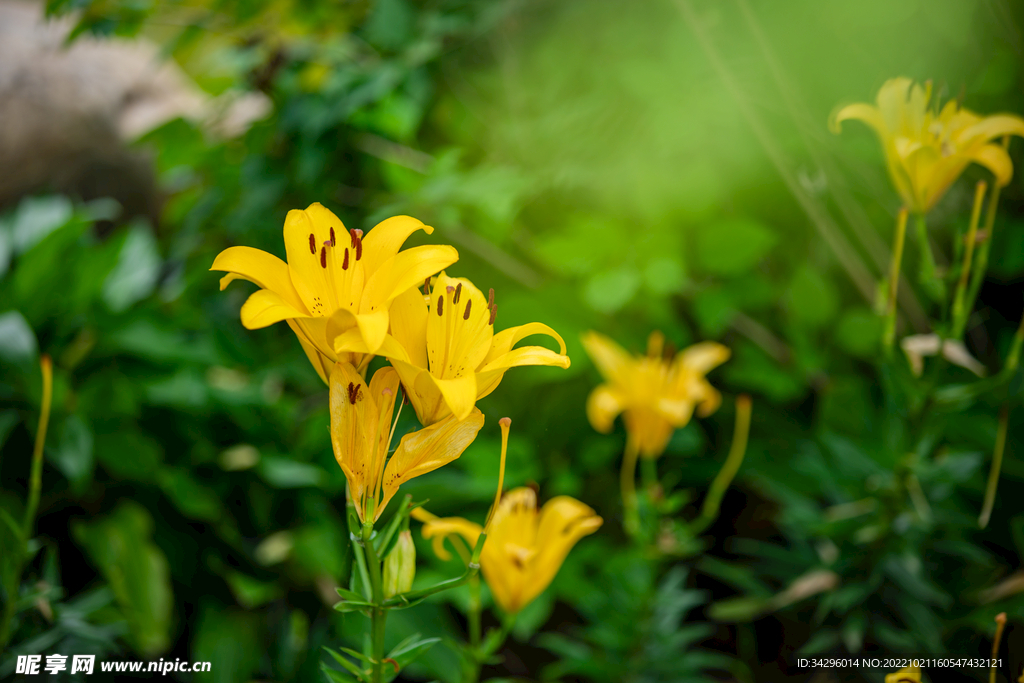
894, 279
378, 615
720, 485
997, 464
34, 488
960, 308
926, 275
627, 482
978, 273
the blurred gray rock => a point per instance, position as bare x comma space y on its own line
69, 112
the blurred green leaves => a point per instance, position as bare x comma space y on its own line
121, 546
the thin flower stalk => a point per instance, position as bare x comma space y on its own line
709, 511
894, 279
997, 464
985, 239
960, 310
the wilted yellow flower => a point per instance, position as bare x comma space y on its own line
908, 674
335, 281
447, 353
524, 548
655, 394
361, 431
927, 148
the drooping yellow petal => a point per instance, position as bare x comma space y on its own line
428, 449
491, 374
604, 404
995, 159
439, 529
858, 112
265, 307
257, 266
459, 394
372, 327
385, 239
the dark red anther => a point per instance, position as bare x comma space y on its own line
494, 314
344, 261
490, 298
440, 305
426, 287
333, 241
469, 304
323, 257
353, 392
458, 292
312, 244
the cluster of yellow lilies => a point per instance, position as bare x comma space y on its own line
350, 297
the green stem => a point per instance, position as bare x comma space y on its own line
978, 274
927, 269
960, 308
894, 280
379, 614
474, 611
732, 464
627, 482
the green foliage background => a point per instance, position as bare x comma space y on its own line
662, 166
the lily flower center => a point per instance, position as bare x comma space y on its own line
459, 330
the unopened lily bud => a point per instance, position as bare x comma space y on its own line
400, 566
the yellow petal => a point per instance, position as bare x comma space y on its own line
459, 332
265, 307
439, 529
908, 674
859, 112
611, 360
351, 341
712, 399
422, 392
703, 357
427, 449
491, 374
387, 237
503, 341
649, 429
408, 315
351, 405
255, 265
995, 159
563, 522
383, 391
603, 405
992, 127
307, 275
373, 327
459, 394
677, 410
892, 103
404, 270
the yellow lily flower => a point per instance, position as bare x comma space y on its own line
361, 432
335, 280
524, 548
447, 352
927, 148
655, 395
908, 674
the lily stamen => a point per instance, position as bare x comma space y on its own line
312, 244
494, 313
469, 305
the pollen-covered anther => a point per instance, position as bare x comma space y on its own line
494, 314
426, 287
323, 257
334, 242
312, 244
357, 242
458, 292
344, 261
353, 392
490, 297
469, 304
440, 305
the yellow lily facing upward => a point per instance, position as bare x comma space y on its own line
655, 394
335, 281
361, 431
524, 548
447, 353
927, 148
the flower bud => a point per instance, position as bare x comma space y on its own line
400, 566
